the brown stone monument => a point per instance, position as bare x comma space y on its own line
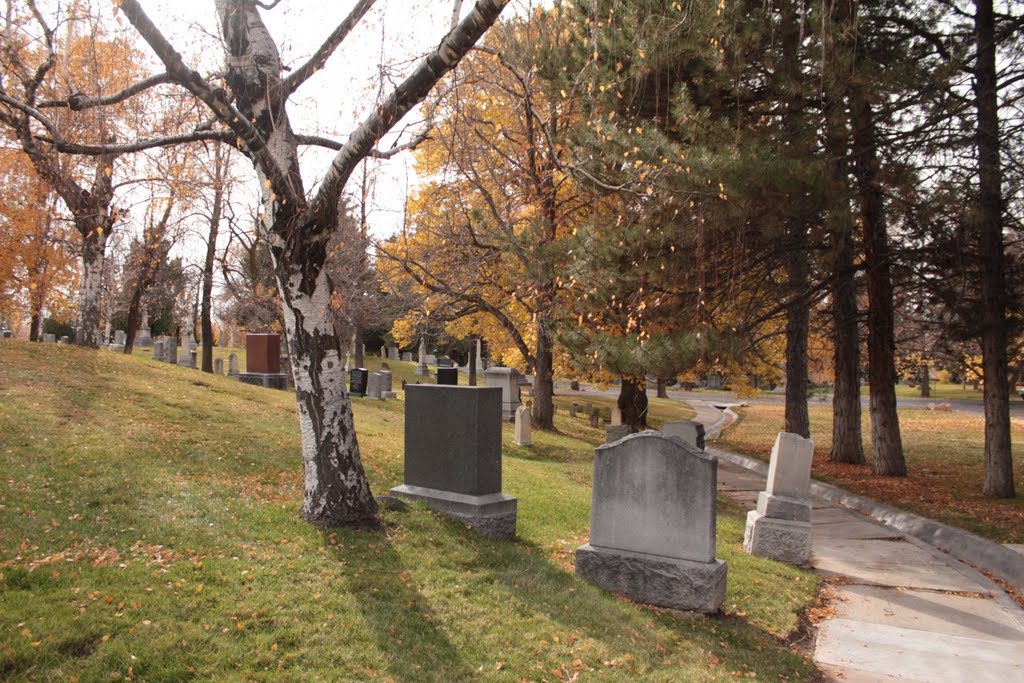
263, 361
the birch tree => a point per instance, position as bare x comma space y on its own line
254, 115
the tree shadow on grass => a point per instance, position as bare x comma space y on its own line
414, 647
622, 626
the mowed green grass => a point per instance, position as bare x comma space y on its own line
149, 531
945, 454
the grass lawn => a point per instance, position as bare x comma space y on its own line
149, 531
944, 452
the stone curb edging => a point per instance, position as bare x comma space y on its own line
969, 548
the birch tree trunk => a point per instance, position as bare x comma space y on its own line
87, 326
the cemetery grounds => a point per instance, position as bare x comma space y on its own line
149, 531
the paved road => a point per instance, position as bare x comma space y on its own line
958, 405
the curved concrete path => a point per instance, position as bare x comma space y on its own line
903, 610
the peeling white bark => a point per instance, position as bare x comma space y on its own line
87, 329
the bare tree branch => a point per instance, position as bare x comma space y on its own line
324, 52
78, 101
404, 97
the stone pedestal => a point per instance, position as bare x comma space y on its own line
783, 540
780, 527
270, 380
453, 455
491, 515
653, 525
655, 579
507, 380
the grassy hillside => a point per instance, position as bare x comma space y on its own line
149, 531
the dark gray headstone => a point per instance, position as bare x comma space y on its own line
453, 438
358, 380
453, 455
449, 376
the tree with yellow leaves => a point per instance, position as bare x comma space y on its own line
486, 237
36, 264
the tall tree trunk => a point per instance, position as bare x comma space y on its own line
633, 403
357, 349
543, 379
471, 363
989, 231
886, 443
337, 492
134, 313
798, 317
847, 438
206, 312
87, 327
797, 136
36, 329
662, 388
926, 381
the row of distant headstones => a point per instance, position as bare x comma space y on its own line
653, 515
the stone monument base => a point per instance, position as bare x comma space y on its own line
388, 394
422, 371
654, 579
491, 515
270, 380
784, 540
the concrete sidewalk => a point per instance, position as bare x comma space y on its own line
903, 609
